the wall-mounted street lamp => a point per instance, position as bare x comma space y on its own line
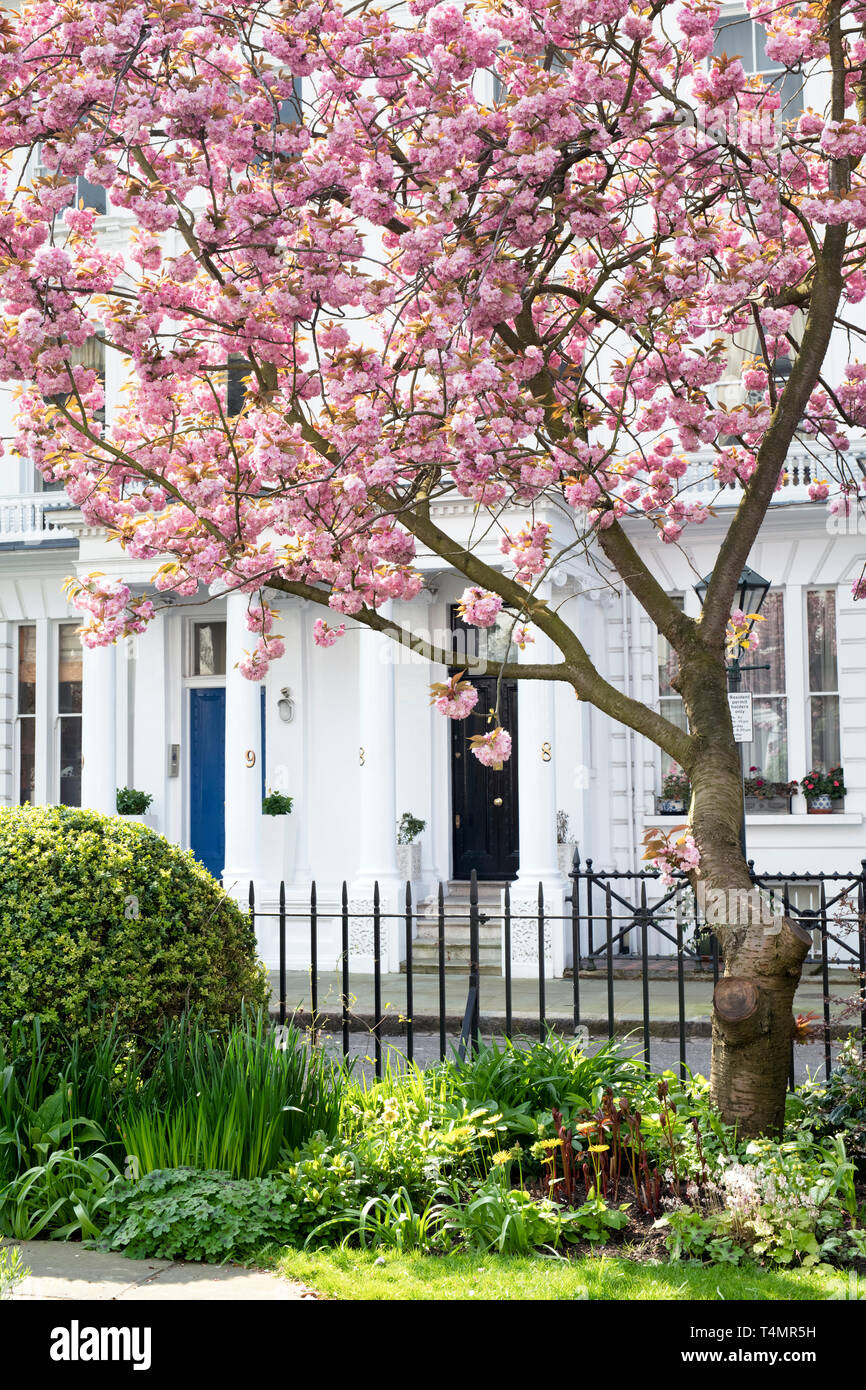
752, 589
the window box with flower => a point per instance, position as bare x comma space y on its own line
824, 791
764, 796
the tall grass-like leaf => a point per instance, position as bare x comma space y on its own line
230, 1101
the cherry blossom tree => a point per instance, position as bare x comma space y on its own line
498, 251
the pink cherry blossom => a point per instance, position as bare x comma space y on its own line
479, 607
325, 636
492, 748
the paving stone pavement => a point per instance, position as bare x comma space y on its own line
64, 1270
627, 996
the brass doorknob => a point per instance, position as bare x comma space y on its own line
497, 801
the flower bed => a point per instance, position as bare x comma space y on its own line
228, 1145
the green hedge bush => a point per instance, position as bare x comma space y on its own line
97, 914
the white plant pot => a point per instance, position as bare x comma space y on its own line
409, 862
565, 856
146, 818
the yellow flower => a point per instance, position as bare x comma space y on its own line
598, 1148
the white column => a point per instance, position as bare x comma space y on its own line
98, 729
536, 776
536, 769
378, 828
300, 624
243, 776
377, 831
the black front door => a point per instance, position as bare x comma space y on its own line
484, 801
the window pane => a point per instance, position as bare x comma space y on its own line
674, 710
769, 750
26, 760
792, 95
27, 670
237, 374
89, 195
821, 623
826, 741
770, 651
70, 761
209, 649
734, 37
668, 666
69, 672
495, 639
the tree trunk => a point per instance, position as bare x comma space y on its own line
763, 955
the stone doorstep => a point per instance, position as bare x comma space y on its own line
457, 933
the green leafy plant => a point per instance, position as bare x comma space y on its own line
409, 827
230, 1101
552, 1072
837, 1105
496, 1216
185, 1214
323, 1185
130, 802
12, 1270
694, 1236
393, 1221
275, 804
101, 915
59, 1197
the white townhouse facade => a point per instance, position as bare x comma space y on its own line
350, 734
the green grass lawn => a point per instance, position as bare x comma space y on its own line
355, 1274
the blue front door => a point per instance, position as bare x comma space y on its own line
207, 765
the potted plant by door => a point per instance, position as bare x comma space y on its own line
565, 844
278, 804
409, 827
824, 791
133, 804
676, 793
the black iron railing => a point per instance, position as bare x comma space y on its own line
609, 920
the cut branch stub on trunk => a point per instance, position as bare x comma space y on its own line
740, 1009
